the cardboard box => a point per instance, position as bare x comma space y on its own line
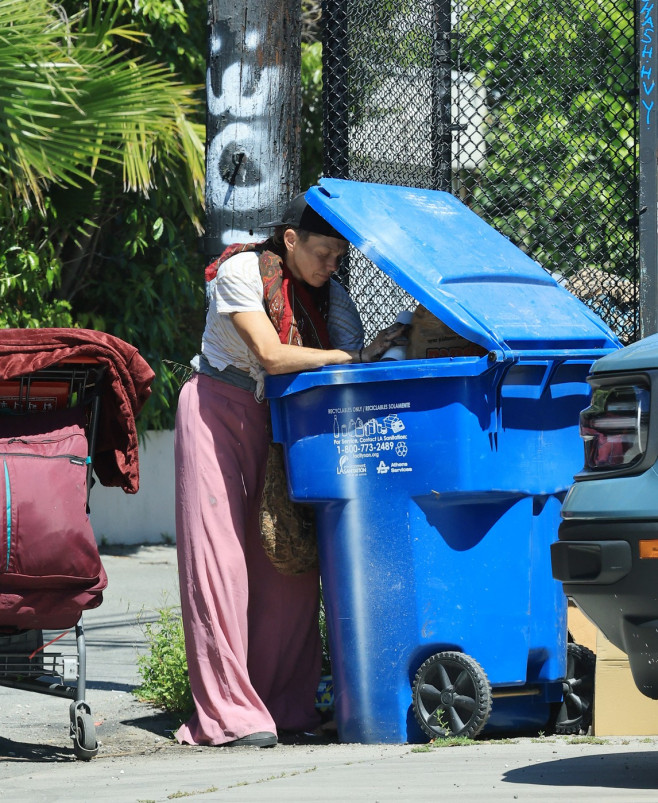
430, 338
580, 628
607, 651
619, 708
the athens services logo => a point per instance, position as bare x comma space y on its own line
345, 468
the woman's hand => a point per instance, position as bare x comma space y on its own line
384, 340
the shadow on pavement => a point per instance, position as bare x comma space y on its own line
608, 771
121, 550
159, 724
24, 751
105, 685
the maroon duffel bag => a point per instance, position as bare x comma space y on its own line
50, 568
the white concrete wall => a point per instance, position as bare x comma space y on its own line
148, 516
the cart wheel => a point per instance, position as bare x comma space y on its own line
83, 732
451, 696
574, 713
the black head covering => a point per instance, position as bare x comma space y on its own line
299, 215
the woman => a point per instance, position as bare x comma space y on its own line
252, 638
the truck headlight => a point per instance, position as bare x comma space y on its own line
615, 426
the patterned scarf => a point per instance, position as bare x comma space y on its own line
298, 312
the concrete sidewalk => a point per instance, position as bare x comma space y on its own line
138, 761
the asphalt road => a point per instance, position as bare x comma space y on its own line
138, 761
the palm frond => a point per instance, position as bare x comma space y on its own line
72, 105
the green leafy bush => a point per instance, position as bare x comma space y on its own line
101, 146
164, 668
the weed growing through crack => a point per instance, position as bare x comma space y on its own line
587, 740
449, 741
274, 777
163, 668
176, 795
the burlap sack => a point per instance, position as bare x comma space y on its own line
287, 528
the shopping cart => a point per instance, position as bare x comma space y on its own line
34, 408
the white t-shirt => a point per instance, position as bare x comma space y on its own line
238, 287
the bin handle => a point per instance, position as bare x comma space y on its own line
526, 391
551, 359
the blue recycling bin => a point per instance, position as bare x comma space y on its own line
437, 483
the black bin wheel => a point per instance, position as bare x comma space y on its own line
574, 713
451, 696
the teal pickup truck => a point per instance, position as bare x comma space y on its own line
607, 553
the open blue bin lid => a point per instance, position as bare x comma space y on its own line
461, 269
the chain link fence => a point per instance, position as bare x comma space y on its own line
525, 111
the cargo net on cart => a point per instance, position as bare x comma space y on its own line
525, 111
50, 389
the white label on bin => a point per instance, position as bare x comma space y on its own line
361, 438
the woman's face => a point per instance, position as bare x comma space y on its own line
314, 259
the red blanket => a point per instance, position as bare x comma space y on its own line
126, 389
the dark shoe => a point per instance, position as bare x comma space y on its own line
260, 739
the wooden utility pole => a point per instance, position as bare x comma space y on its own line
253, 110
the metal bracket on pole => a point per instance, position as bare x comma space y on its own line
253, 107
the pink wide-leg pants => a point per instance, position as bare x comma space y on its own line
251, 633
